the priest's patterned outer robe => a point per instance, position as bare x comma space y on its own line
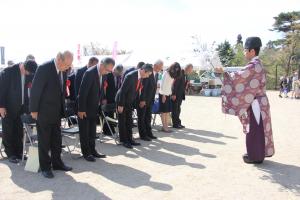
240, 90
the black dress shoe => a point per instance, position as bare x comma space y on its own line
89, 158
134, 143
127, 145
181, 126
248, 161
62, 168
48, 174
146, 138
177, 127
98, 155
152, 137
13, 159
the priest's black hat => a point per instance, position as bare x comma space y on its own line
253, 43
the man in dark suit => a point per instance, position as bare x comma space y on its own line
47, 105
88, 103
146, 101
80, 72
112, 83
178, 95
15, 84
127, 94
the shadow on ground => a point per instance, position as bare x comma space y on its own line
175, 153
201, 136
159, 151
288, 176
63, 186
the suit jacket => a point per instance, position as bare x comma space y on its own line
89, 93
78, 78
128, 92
47, 95
178, 88
11, 91
111, 90
131, 69
149, 89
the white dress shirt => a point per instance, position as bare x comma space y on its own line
166, 84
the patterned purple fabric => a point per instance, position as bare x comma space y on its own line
238, 92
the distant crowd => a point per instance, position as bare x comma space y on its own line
290, 86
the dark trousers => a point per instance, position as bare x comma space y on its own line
255, 139
176, 109
49, 139
12, 136
144, 120
125, 124
87, 132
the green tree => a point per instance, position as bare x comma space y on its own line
289, 24
239, 57
226, 53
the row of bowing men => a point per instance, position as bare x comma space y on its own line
44, 90
126, 90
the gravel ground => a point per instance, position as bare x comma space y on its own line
203, 161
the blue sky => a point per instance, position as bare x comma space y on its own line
160, 28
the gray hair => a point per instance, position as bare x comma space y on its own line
118, 68
158, 62
64, 54
30, 57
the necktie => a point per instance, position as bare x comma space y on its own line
139, 87
61, 81
156, 77
118, 82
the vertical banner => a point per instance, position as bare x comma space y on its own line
2, 49
78, 53
115, 51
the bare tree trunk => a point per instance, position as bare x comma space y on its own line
288, 66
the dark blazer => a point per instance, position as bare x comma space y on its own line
11, 90
144, 96
179, 85
127, 93
47, 96
149, 89
112, 88
89, 93
131, 69
78, 78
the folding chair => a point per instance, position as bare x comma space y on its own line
134, 117
70, 129
155, 111
109, 121
29, 135
71, 133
